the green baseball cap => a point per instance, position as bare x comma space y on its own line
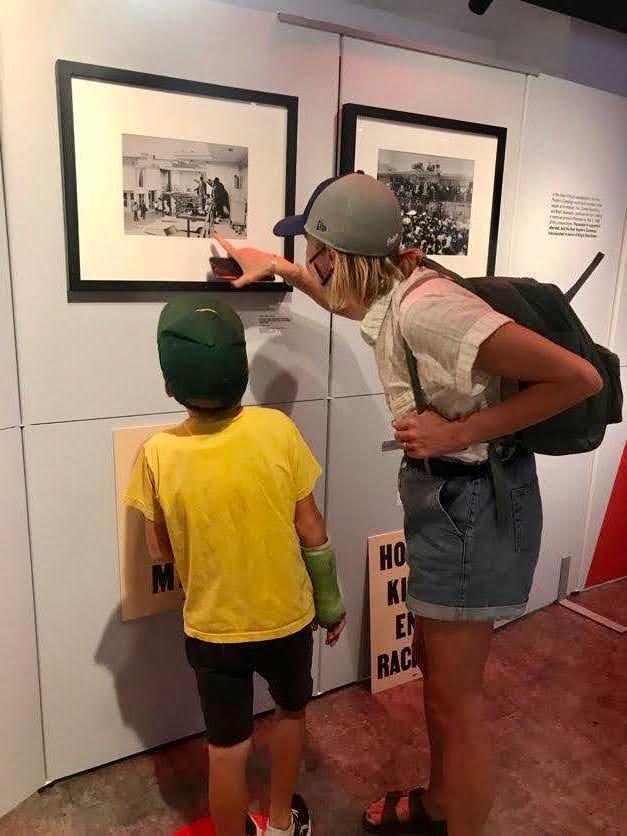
356, 214
202, 351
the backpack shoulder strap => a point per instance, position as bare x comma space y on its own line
416, 284
412, 366
570, 294
450, 274
433, 265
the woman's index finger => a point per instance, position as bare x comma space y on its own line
231, 250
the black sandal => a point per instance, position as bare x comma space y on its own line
419, 822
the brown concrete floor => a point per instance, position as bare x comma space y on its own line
558, 707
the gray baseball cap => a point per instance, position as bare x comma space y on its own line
357, 214
353, 214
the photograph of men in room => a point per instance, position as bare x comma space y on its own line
184, 188
435, 194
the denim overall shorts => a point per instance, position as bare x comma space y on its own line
462, 565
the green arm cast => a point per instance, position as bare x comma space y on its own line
321, 566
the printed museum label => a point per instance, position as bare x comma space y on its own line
392, 658
146, 587
575, 215
274, 324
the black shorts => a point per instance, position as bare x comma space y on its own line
224, 673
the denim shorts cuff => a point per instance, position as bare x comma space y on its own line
440, 612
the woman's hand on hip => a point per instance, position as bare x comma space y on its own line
428, 435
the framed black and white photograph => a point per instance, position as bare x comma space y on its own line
154, 167
435, 196
446, 174
184, 188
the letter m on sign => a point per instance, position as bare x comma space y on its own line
162, 577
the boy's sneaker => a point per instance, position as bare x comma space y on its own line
301, 825
251, 827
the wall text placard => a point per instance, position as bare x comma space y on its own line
575, 215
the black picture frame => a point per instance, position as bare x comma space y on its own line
352, 112
80, 289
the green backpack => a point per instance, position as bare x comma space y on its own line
544, 308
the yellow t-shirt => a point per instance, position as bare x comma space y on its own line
227, 492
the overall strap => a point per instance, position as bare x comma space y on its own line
412, 367
497, 470
502, 499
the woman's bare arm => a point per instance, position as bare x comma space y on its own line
257, 264
557, 378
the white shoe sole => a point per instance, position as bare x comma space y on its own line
308, 833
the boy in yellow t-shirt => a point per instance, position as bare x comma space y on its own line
228, 494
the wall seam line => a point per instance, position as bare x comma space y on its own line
329, 397
20, 428
35, 617
521, 135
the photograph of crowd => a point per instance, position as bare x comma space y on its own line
435, 194
184, 188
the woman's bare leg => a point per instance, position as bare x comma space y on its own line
457, 653
434, 797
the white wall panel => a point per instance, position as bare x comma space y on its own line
565, 488
393, 78
362, 499
108, 688
94, 360
574, 143
607, 460
22, 760
9, 400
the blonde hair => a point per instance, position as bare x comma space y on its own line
365, 279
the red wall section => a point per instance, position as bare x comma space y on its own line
610, 557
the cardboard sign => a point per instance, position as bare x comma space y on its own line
392, 659
146, 587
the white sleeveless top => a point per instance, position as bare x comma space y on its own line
444, 325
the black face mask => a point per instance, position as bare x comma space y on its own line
323, 279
